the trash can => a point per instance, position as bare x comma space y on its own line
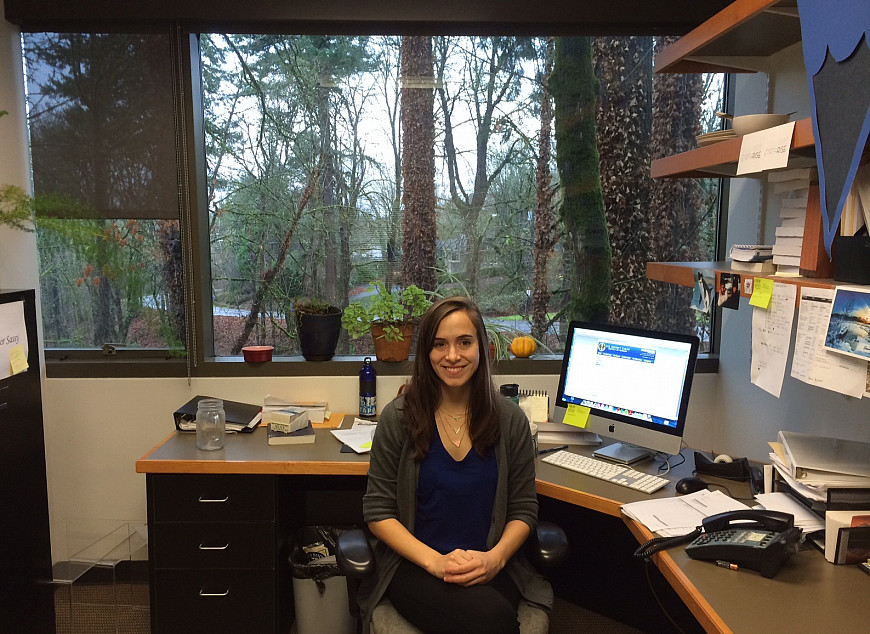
319, 588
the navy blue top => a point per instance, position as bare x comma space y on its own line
454, 499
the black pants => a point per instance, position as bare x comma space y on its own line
437, 607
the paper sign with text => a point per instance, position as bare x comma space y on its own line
13, 334
766, 149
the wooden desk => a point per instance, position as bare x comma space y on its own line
808, 593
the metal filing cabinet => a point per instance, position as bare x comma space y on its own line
212, 547
26, 600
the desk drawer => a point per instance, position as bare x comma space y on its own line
214, 545
212, 498
212, 601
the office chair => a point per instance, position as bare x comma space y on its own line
546, 547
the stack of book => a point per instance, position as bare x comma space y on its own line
793, 210
752, 258
288, 426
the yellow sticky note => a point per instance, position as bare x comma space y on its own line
762, 293
577, 415
17, 360
366, 445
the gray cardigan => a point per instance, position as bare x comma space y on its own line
392, 491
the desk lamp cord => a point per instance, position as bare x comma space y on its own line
656, 544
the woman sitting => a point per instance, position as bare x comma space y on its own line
451, 488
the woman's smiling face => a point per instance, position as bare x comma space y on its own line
455, 353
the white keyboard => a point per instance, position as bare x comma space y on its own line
603, 470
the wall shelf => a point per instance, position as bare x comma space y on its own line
738, 39
681, 273
720, 159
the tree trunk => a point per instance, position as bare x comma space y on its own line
575, 91
418, 163
330, 210
545, 223
675, 208
623, 66
269, 276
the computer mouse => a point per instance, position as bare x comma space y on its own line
690, 485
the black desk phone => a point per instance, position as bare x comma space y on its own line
757, 540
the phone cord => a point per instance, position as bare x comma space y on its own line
657, 544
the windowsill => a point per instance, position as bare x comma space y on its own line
124, 366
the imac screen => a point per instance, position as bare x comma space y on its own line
636, 383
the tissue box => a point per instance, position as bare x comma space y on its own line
847, 536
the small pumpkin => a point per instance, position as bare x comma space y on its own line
523, 346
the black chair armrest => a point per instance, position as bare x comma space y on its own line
547, 546
354, 554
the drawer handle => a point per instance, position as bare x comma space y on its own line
224, 547
201, 499
203, 593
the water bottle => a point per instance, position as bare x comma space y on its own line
211, 424
367, 389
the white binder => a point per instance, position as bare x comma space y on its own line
824, 460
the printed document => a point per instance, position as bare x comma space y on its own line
771, 336
811, 362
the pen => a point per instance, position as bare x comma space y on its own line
726, 564
542, 451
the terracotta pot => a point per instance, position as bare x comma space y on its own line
398, 350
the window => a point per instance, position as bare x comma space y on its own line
303, 193
102, 135
315, 121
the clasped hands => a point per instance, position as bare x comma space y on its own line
467, 567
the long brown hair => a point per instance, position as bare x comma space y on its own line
423, 395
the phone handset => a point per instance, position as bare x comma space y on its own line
773, 521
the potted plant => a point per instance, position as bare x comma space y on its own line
499, 341
389, 317
319, 326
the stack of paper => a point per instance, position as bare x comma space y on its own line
673, 516
793, 210
317, 411
561, 434
359, 437
783, 502
810, 465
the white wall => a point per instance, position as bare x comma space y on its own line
750, 417
96, 429
17, 249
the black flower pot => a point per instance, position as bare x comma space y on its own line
318, 334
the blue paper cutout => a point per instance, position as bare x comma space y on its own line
838, 26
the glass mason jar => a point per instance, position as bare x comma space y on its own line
211, 424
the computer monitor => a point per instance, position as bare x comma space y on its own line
636, 384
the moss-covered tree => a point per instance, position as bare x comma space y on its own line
623, 66
575, 96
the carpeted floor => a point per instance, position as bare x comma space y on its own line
94, 605
122, 608
567, 618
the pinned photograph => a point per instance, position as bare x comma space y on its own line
702, 298
729, 291
849, 325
